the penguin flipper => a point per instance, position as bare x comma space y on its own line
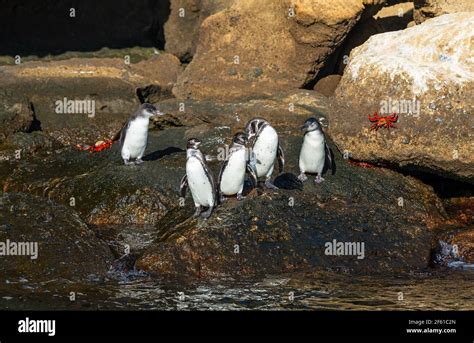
218, 188
281, 159
123, 133
183, 186
253, 175
329, 162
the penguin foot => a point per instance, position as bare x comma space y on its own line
318, 179
138, 161
208, 213
128, 162
240, 197
302, 177
222, 199
269, 184
197, 212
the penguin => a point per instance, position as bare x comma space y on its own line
265, 149
199, 179
315, 155
232, 174
134, 135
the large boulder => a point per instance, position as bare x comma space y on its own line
182, 27
288, 230
423, 73
426, 9
260, 47
65, 247
110, 83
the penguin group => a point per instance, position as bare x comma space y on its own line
253, 153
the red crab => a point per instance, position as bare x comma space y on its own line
382, 121
98, 146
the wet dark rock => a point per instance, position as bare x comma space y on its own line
455, 247
106, 192
287, 230
28, 143
99, 186
445, 253
67, 248
272, 232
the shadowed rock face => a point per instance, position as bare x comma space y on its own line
182, 27
31, 28
428, 88
67, 248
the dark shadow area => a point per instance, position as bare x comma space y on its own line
288, 181
40, 28
156, 155
358, 35
153, 94
444, 186
35, 124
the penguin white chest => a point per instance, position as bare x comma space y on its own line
265, 150
136, 138
313, 153
233, 176
199, 183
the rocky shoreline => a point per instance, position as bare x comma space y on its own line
91, 215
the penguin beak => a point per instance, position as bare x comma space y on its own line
158, 113
304, 128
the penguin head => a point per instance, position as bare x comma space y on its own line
254, 127
240, 138
193, 143
148, 110
311, 124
